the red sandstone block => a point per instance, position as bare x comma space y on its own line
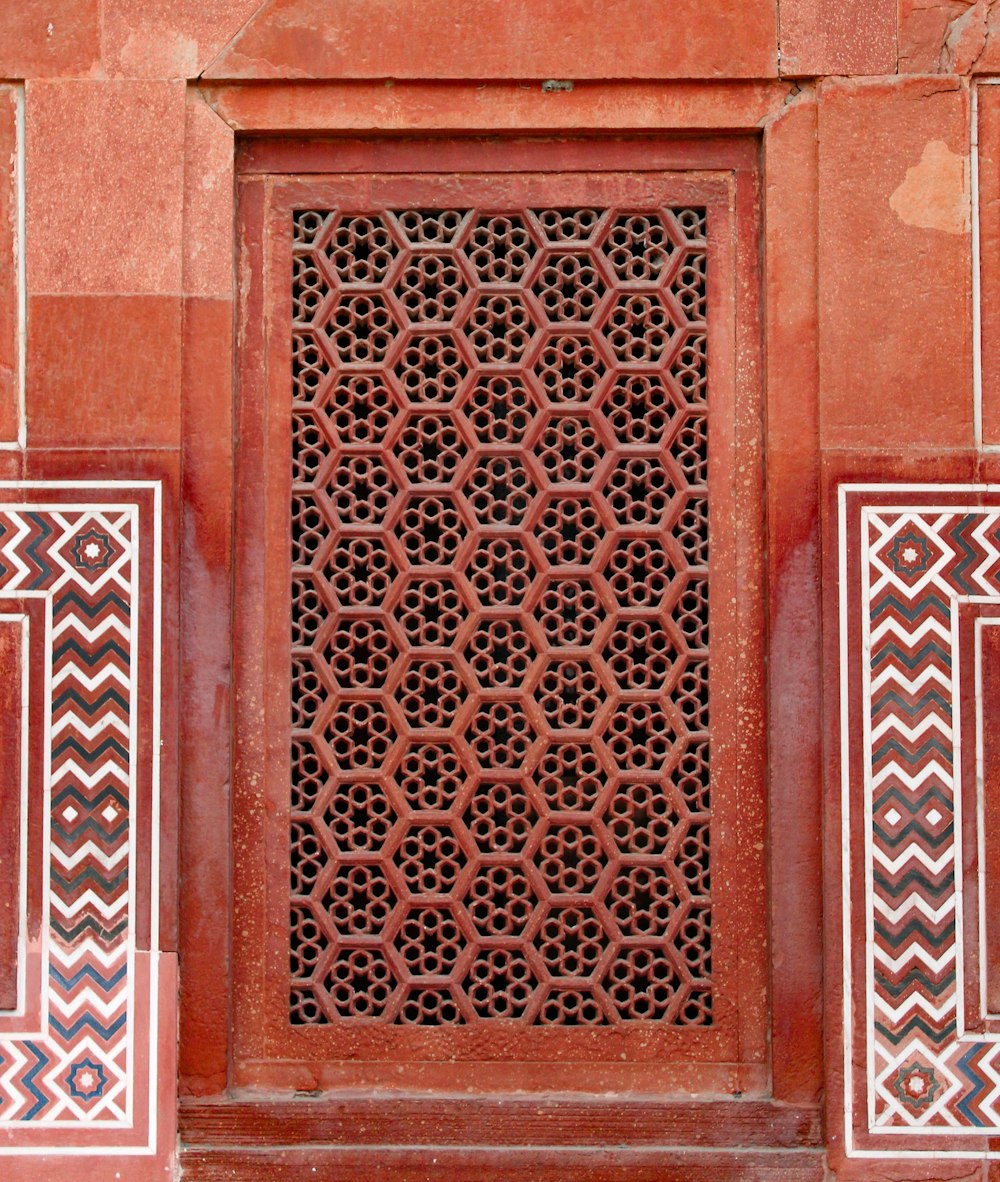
169, 38
893, 1169
838, 37
924, 32
104, 371
207, 491
895, 264
422, 106
790, 197
980, 53
504, 39
11, 465
206, 757
9, 315
791, 328
47, 38
105, 168
208, 202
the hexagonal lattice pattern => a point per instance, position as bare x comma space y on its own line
430, 530
499, 653
360, 489
499, 408
499, 329
570, 368
569, 611
430, 449
569, 287
359, 407
499, 665
429, 693
430, 287
430, 610
570, 449
359, 249
499, 490
570, 694
359, 652
430, 776
360, 329
430, 368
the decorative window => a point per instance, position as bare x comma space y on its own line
498, 549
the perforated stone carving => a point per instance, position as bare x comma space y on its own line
500, 697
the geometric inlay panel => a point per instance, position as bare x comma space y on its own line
920, 581
80, 572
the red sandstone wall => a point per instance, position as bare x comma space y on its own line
119, 120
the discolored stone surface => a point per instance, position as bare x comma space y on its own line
895, 258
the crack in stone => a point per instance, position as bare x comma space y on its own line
966, 38
988, 33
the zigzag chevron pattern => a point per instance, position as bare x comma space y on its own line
84, 559
914, 565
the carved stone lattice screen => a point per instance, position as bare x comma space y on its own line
500, 626
495, 775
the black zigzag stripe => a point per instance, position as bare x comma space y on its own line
73, 695
89, 924
101, 832
893, 744
915, 876
72, 744
915, 829
912, 660
89, 656
932, 697
917, 1022
929, 937
44, 531
91, 611
915, 977
910, 611
101, 881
